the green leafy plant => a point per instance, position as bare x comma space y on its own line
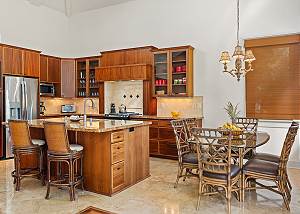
232, 111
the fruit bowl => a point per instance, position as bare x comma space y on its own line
175, 114
235, 130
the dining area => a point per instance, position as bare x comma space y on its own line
225, 161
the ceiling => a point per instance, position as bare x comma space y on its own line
71, 7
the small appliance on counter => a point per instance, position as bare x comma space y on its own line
42, 108
122, 108
112, 108
68, 108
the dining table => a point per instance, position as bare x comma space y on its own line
247, 143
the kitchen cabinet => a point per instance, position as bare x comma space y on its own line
162, 142
173, 71
12, 61
124, 72
68, 77
54, 69
19, 61
86, 83
1, 120
31, 63
43, 68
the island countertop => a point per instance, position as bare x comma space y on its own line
97, 125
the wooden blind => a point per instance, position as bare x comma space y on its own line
273, 88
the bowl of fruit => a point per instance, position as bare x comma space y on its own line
234, 129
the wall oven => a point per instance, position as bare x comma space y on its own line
47, 89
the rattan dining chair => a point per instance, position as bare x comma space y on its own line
272, 158
24, 145
191, 123
272, 171
187, 159
246, 123
60, 151
215, 164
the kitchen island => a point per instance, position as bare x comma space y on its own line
116, 152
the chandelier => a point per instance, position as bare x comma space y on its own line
242, 60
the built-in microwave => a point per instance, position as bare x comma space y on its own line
47, 89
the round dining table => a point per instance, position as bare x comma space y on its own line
248, 143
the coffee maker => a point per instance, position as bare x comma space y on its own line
42, 108
112, 108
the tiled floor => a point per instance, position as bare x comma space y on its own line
153, 196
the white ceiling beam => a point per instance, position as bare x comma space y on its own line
68, 8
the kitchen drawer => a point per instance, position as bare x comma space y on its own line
117, 136
168, 148
154, 123
118, 178
153, 133
165, 123
117, 151
166, 133
153, 146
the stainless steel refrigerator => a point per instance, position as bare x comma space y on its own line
20, 102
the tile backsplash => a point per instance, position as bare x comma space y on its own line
129, 93
187, 107
53, 105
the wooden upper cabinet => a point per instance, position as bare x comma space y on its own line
31, 63
43, 68
54, 70
1, 67
125, 72
12, 61
173, 71
68, 77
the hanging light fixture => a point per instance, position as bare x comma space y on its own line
242, 60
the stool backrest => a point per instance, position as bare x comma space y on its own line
19, 133
181, 137
56, 137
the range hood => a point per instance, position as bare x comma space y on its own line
124, 72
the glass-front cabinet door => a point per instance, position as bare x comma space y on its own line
179, 72
161, 76
81, 79
173, 71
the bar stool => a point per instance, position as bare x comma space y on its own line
60, 151
24, 145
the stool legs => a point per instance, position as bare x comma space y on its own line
48, 179
17, 171
73, 179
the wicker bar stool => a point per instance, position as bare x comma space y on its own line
60, 151
24, 145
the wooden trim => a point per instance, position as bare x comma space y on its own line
129, 49
175, 48
117, 66
87, 58
12, 46
51, 56
273, 40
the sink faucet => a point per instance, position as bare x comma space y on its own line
84, 108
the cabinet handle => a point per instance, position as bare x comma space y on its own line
118, 168
118, 147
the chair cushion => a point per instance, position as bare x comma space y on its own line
261, 166
38, 142
267, 157
76, 147
235, 170
190, 158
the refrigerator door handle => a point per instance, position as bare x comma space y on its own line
22, 101
25, 101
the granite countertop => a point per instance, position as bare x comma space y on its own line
149, 117
97, 125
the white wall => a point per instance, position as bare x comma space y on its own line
209, 26
36, 27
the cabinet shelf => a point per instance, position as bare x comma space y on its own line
178, 73
179, 61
